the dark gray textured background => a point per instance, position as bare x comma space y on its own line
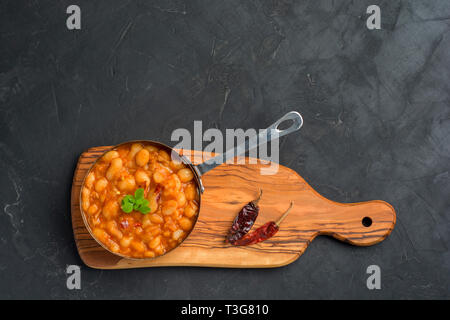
375, 106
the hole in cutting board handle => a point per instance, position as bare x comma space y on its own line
366, 222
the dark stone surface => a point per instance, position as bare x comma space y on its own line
377, 126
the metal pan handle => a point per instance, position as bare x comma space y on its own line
267, 135
297, 122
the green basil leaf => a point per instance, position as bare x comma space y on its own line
139, 194
144, 210
136, 202
127, 207
128, 199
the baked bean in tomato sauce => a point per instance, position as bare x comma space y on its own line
168, 185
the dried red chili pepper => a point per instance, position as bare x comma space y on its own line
264, 232
244, 220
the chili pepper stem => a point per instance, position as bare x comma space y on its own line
278, 222
255, 202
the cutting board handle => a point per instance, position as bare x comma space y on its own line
361, 224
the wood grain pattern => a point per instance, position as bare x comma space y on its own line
227, 189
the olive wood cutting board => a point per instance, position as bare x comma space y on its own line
227, 189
